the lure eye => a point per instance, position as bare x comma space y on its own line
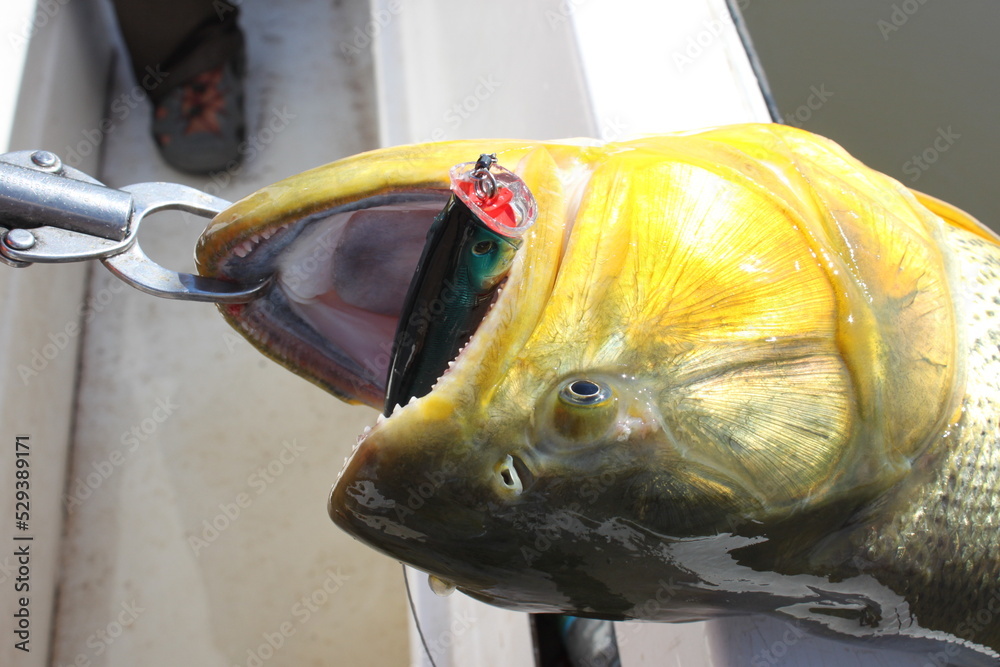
585, 392
483, 248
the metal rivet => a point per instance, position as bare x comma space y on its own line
46, 160
20, 239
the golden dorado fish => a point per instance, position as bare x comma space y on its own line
730, 372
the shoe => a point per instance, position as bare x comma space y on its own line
198, 117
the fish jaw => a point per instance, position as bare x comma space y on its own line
418, 489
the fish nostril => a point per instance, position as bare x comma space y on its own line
509, 476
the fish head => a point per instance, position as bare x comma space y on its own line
690, 352
556, 500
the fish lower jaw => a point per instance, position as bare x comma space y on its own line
357, 445
415, 401
347, 459
379, 420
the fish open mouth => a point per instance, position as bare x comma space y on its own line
340, 282
348, 249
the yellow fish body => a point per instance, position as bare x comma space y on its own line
730, 372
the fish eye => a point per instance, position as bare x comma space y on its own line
585, 392
483, 248
579, 411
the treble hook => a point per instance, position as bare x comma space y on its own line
486, 182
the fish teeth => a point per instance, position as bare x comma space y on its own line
243, 249
379, 419
398, 407
248, 245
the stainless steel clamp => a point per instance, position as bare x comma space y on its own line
51, 212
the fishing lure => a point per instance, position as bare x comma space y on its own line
469, 250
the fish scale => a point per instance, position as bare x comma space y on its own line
940, 541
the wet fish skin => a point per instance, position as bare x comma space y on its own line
802, 362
